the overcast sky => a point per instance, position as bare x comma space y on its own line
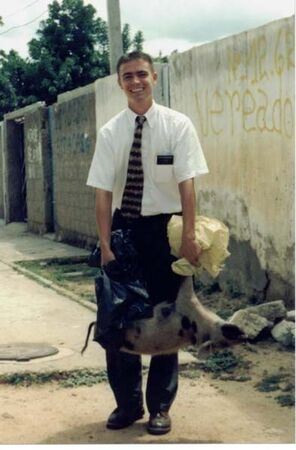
167, 25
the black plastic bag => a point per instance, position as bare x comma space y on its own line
120, 292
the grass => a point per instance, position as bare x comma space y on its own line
274, 382
270, 382
218, 362
73, 274
74, 378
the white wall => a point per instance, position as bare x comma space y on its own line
239, 92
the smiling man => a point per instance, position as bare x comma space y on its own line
143, 169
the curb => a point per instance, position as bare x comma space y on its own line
50, 284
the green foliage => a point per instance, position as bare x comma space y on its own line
126, 38
218, 362
286, 400
70, 50
8, 100
74, 378
270, 383
138, 41
274, 382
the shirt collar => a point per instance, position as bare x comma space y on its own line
150, 115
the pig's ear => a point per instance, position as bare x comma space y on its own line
232, 332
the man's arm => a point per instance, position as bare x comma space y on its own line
189, 247
104, 220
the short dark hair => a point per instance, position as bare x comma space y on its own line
132, 56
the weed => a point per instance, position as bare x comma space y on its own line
218, 362
190, 371
75, 378
72, 274
286, 400
270, 382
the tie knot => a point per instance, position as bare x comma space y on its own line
140, 120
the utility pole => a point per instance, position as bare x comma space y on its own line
115, 37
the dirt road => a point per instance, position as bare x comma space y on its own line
206, 410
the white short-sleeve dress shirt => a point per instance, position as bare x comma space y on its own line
171, 153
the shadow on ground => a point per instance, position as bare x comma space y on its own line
97, 433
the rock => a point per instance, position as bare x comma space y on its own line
290, 316
7, 416
270, 311
284, 333
251, 324
73, 274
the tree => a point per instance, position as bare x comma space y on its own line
126, 38
8, 100
17, 83
138, 41
70, 50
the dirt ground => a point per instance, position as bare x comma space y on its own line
206, 410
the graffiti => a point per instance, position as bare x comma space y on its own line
33, 145
255, 64
250, 110
74, 143
71, 120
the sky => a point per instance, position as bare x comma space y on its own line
168, 25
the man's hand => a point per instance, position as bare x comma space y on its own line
190, 250
106, 256
189, 247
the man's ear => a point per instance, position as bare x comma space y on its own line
155, 77
232, 332
119, 83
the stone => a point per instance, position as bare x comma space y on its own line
290, 316
73, 274
251, 324
284, 333
7, 416
271, 311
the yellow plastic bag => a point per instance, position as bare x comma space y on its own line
213, 238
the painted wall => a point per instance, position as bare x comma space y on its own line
239, 92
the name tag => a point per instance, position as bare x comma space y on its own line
165, 159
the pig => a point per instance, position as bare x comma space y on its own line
177, 325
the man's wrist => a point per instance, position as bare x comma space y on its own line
105, 246
188, 236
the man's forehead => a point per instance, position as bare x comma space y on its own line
136, 65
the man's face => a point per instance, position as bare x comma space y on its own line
137, 79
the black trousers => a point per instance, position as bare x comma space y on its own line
125, 370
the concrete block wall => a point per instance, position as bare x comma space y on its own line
239, 92
38, 171
72, 125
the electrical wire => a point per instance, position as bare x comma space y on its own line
24, 24
25, 7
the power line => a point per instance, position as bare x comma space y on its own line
24, 24
25, 7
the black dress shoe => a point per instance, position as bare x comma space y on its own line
121, 419
159, 423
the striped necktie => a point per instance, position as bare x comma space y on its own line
133, 191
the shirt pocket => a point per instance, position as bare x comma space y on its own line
163, 168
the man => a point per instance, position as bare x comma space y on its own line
144, 166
